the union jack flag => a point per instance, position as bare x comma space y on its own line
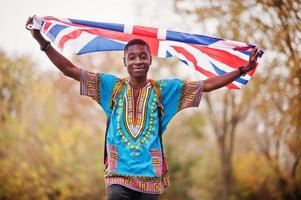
208, 55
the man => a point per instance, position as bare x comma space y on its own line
138, 111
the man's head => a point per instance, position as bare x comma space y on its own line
137, 58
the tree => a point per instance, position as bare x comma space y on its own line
275, 25
46, 150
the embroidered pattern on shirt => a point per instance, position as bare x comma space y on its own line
113, 158
89, 84
135, 146
157, 161
190, 94
152, 185
135, 119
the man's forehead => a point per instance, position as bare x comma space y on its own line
137, 48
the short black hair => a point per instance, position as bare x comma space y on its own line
135, 42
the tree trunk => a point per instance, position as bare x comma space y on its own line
226, 169
225, 131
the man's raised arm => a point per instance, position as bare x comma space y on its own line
62, 63
223, 80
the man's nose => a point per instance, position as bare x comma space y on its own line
138, 60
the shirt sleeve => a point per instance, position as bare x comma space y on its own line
178, 95
99, 87
191, 94
89, 85
107, 83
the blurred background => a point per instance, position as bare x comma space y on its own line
239, 145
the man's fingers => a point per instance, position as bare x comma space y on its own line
29, 23
259, 53
29, 20
253, 55
254, 51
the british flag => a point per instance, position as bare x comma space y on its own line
208, 55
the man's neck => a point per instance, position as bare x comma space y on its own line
138, 83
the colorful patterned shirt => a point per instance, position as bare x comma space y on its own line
134, 155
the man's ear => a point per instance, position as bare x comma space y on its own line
124, 61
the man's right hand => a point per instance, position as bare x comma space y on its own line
36, 34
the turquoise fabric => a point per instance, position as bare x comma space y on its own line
130, 154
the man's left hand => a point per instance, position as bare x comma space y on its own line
252, 60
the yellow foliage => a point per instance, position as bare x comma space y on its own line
252, 170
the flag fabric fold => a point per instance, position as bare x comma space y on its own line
208, 55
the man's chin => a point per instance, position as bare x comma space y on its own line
139, 76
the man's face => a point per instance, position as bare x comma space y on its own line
137, 58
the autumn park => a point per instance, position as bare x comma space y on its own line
242, 144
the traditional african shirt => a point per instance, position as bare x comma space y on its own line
134, 155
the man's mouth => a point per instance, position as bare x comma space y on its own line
138, 68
